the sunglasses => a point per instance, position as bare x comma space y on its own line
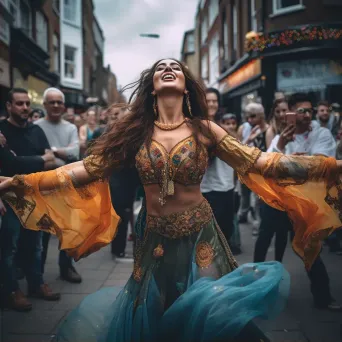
304, 110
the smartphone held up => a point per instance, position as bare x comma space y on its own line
290, 119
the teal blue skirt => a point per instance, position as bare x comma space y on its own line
186, 287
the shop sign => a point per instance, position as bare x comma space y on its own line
245, 73
4, 73
297, 75
36, 88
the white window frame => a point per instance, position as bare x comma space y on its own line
69, 62
75, 20
56, 53
42, 34
254, 22
282, 10
213, 11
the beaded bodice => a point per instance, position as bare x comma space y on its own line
179, 165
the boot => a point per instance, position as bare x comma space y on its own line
44, 292
18, 302
70, 274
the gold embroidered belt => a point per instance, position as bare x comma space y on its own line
185, 223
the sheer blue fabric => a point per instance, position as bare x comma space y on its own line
207, 308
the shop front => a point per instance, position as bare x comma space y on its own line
33, 85
241, 86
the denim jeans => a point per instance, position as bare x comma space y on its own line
64, 261
13, 239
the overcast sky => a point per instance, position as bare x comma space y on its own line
123, 20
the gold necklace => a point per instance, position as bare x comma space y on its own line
169, 127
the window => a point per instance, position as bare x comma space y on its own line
70, 61
213, 10
235, 31
25, 18
42, 31
56, 6
204, 68
55, 53
282, 6
13, 8
254, 23
4, 30
214, 59
190, 43
70, 12
225, 37
204, 29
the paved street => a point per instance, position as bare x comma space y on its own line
299, 323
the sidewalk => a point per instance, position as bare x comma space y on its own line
299, 323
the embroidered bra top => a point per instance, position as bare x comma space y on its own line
180, 165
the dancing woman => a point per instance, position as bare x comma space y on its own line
186, 285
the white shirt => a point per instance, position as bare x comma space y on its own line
317, 141
218, 177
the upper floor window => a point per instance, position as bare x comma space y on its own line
283, 6
235, 30
4, 30
213, 11
225, 37
190, 42
204, 68
213, 59
70, 10
253, 18
204, 29
56, 6
55, 42
26, 18
70, 61
42, 31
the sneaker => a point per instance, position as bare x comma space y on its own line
45, 292
18, 301
70, 274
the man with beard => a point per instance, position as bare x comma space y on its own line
326, 118
303, 138
27, 150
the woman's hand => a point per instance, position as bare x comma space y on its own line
285, 137
5, 184
254, 133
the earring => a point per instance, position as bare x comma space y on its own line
187, 99
155, 107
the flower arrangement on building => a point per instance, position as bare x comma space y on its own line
259, 42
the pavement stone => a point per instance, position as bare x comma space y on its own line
300, 322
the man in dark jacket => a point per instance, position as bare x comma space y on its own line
26, 151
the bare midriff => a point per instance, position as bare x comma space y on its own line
185, 197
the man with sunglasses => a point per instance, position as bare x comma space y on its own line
303, 138
63, 139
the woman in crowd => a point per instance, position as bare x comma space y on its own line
36, 114
186, 285
87, 130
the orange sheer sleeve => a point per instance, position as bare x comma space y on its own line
307, 188
81, 216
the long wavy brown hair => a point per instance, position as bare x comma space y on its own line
121, 142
